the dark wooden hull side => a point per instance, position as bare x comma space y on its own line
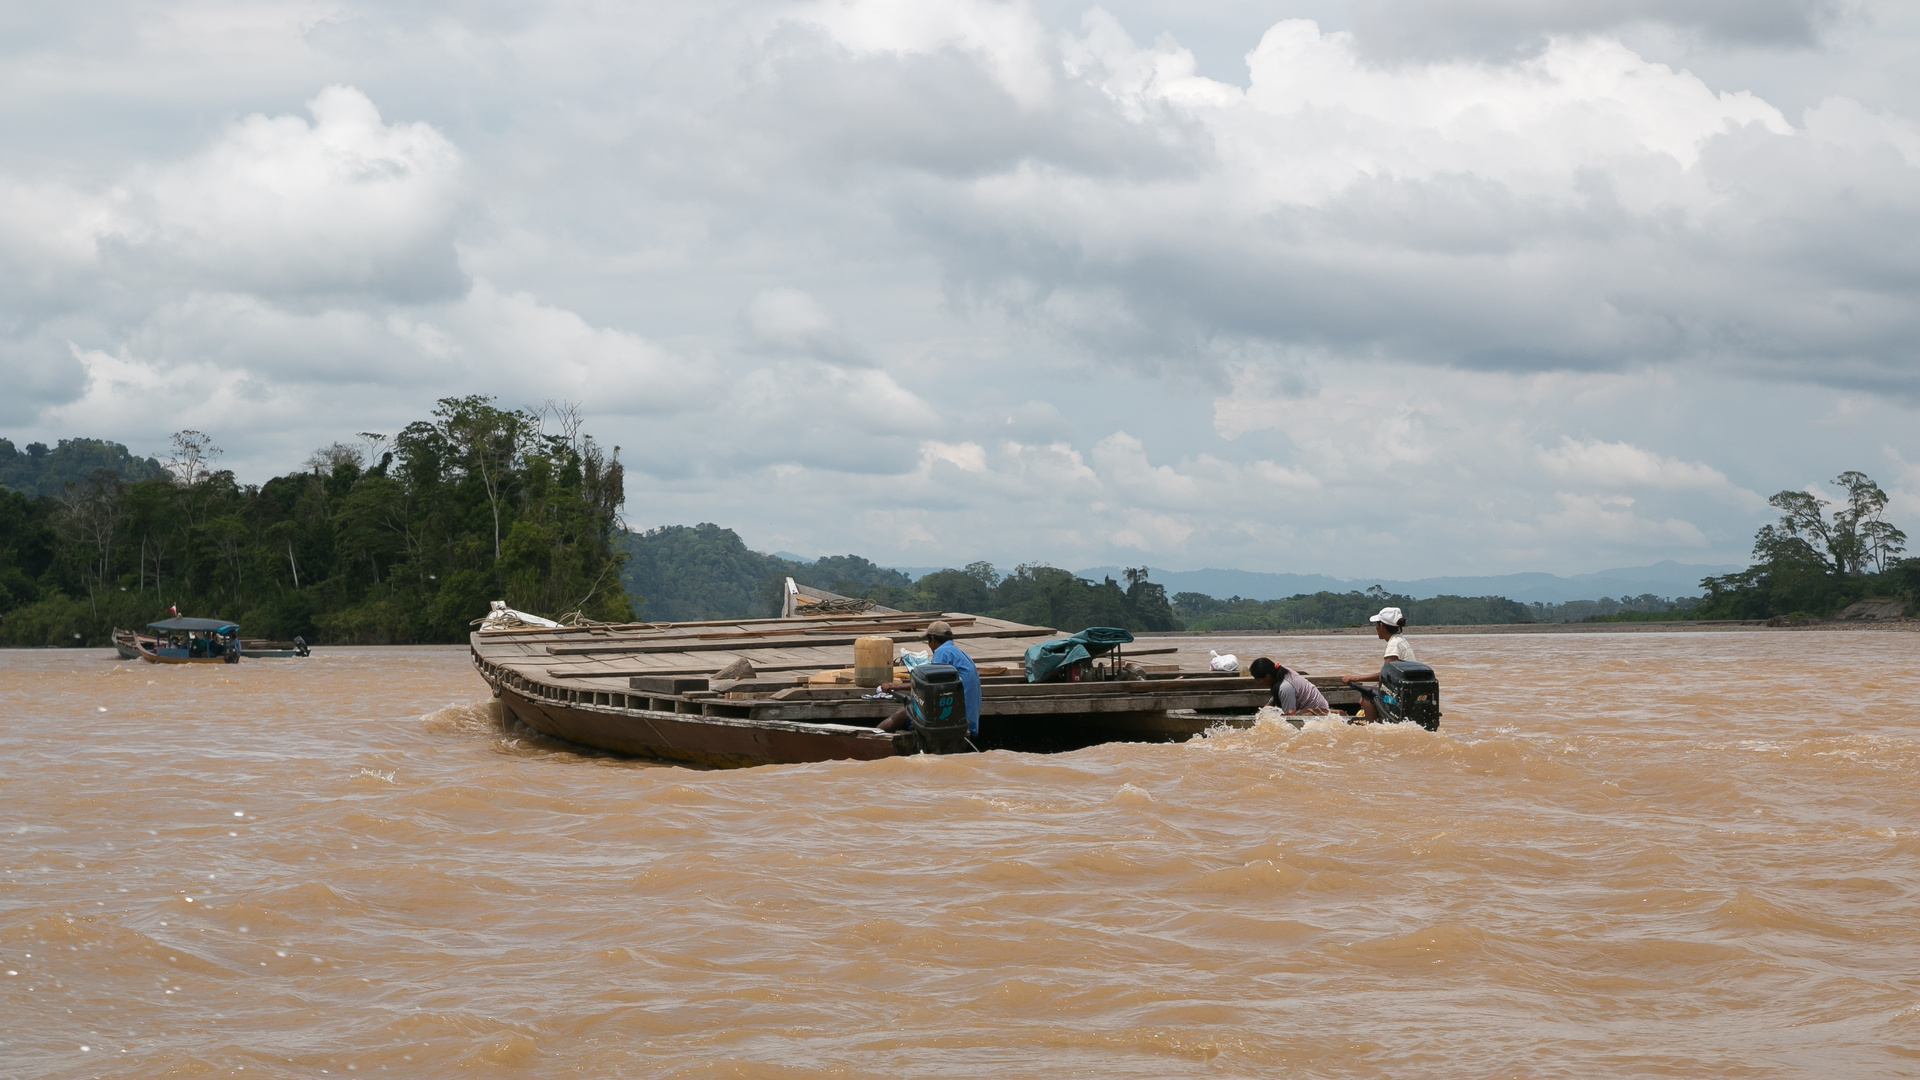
713, 741
127, 644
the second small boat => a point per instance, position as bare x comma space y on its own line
261, 649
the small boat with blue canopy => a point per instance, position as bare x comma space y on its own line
192, 641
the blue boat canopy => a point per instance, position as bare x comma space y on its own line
1047, 658
218, 626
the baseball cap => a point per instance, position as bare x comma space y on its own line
1391, 616
938, 628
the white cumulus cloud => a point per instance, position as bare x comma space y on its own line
282, 206
1623, 465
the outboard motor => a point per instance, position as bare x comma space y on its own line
938, 709
1409, 694
300, 647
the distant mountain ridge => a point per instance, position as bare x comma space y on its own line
1666, 578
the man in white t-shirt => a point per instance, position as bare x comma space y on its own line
1389, 625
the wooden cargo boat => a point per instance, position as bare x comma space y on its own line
652, 690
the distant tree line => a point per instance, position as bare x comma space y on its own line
1642, 608
694, 572
705, 571
1821, 556
1039, 596
1324, 610
482, 503
395, 539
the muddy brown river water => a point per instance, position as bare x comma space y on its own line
1622, 855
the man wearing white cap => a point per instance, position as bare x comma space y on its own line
1388, 625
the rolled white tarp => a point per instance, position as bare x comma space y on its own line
503, 617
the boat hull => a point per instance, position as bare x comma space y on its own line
153, 659
724, 742
127, 644
713, 741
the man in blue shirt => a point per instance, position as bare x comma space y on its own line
942, 650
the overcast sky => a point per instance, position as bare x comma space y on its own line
1384, 288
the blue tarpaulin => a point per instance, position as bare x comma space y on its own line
1047, 658
218, 626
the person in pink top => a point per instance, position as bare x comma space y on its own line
1292, 693
1390, 626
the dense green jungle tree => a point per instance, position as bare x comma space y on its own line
1815, 560
477, 504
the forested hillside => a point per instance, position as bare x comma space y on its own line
683, 573
476, 504
40, 471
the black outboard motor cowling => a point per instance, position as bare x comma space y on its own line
938, 709
1409, 694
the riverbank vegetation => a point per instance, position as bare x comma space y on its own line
404, 539
1821, 556
388, 540
1323, 610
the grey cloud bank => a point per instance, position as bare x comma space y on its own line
1418, 289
